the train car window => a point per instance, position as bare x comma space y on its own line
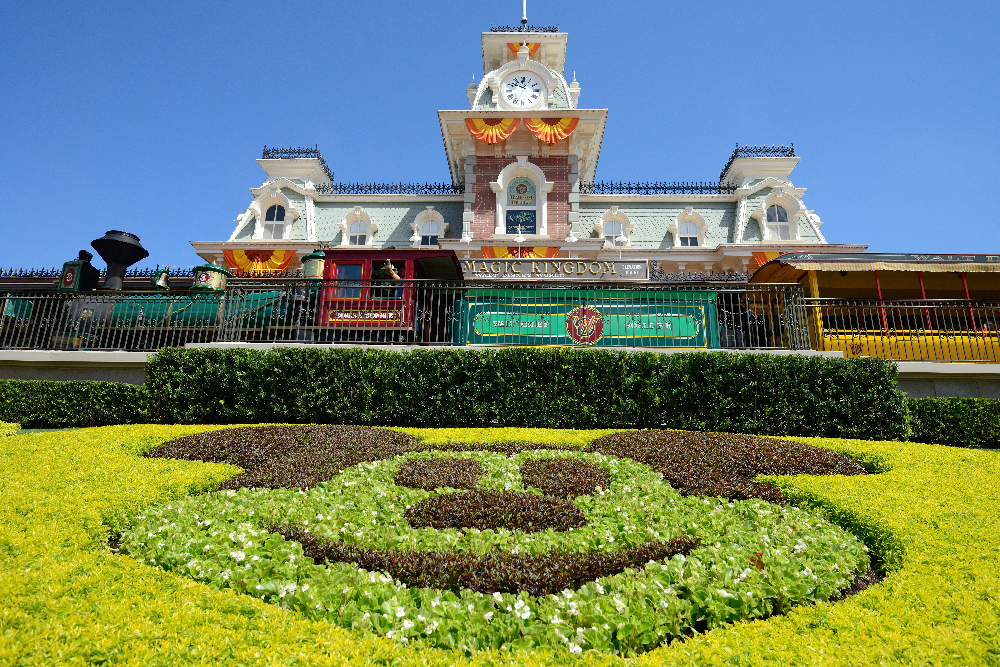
777, 223
386, 273
349, 285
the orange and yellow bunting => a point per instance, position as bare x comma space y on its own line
532, 47
491, 130
537, 252
258, 262
551, 130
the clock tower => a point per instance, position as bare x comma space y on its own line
524, 145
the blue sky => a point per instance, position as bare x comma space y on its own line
149, 117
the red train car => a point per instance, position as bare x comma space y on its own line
389, 294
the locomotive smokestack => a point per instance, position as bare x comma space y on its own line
120, 250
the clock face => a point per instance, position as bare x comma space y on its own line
522, 90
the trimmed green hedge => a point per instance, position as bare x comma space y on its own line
45, 404
555, 388
960, 422
7, 428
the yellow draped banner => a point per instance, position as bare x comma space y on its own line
551, 130
537, 252
491, 130
532, 47
258, 261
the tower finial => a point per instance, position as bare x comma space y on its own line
524, 15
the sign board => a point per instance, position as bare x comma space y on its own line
611, 322
522, 221
554, 269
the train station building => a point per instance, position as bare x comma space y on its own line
523, 164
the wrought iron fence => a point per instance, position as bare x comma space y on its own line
390, 189
756, 151
655, 188
107, 320
275, 153
524, 28
919, 330
420, 312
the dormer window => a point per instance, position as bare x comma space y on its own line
615, 228
357, 228
429, 233
777, 223
358, 234
687, 231
274, 222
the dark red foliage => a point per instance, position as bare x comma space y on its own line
491, 573
724, 464
430, 474
492, 510
565, 477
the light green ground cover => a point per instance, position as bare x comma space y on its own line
65, 599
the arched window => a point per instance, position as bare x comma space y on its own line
429, 232
687, 231
274, 222
359, 233
777, 223
612, 230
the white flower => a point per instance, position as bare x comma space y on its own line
498, 597
600, 589
407, 624
488, 616
230, 493
401, 612
619, 605
238, 555
574, 648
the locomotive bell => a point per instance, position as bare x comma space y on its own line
120, 250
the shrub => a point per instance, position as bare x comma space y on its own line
45, 404
551, 387
70, 600
430, 474
959, 422
9, 429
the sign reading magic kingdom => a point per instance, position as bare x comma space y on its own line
554, 269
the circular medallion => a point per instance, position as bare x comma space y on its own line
69, 277
521, 188
585, 325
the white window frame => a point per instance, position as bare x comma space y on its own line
692, 216
258, 211
357, 215
522, 169
793, 207
428, 215
614, 214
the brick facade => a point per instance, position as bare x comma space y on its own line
556, 169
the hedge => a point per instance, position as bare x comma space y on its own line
68, 599
960, 422
7, 429
46, 404
554, 388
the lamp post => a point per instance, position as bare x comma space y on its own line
466, 239
519, 239
621, 240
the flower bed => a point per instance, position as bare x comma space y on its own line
474, 549
930, 516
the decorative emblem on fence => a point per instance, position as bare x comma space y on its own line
585, 325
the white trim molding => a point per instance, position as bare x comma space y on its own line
266, 199
688, 215
523, 169
353, 216
615, 214
793, 207
428, 215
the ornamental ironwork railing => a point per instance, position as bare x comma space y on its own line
275, 153
391, 189
655, 188
524, 28
757, 151
915, 330
412, 312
